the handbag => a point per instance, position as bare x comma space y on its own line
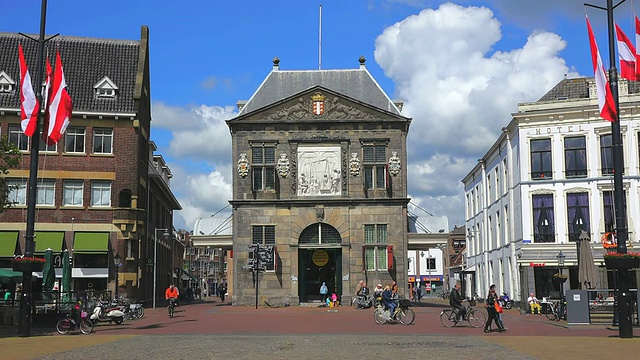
498, 307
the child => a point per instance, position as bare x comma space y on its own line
334, 300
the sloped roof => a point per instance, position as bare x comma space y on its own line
577, 88
427, 224
85, 61
221, 224
355, 83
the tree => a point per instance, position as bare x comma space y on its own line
10, 158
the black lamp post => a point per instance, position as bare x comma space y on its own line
116, 261
561, 258
623, 299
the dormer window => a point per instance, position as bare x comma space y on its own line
7, 85
105, 89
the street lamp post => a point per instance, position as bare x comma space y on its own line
165, 235
445, 265
561, 258
116, 262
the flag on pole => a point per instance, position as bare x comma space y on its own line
637, 49
627, 54
59, 105
29, 104
605, 98
47, 95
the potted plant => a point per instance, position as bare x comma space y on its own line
27, 264
614, 260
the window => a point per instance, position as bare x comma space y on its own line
102, 141
100, 193
578, 214
609, 211
108, 93
320, 234
46, 147
18, 138
541, 159
374, 163
129, 248
74, 140
543, 225
575, 156
46, 192
489, 187
263, 167
497, 177
6, 88
606, 154
264, 235
72, 192
376, 247
17, 191
124, 199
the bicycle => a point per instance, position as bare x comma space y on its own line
475, 318
67, 324
363, 301
553, 313
171, 307
444, 295
403, 313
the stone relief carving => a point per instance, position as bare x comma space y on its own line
243, 166
320, 214
307, 108
283, 165
394, 164
319, 171
354, 165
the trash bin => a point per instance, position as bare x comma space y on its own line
577, 307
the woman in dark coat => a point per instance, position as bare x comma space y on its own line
491, 311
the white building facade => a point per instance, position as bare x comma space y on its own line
548, 176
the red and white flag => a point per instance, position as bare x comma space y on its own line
627, 54
46, 96
637, 49
59, 105
605, 98
29, 104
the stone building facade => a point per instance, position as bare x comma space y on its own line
321, 182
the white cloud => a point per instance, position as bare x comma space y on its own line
460, 92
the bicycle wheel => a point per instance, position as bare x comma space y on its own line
447, 318
63, 326
406, 316
550, 312
378, 317
139, 313
356, 303
476, 318
170, 311
86, 327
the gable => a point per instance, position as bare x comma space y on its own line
318, 104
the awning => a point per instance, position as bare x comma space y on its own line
469, 269
91, 243
8, 241
46, 239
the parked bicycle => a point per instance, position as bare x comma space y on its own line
443, 295
402, 314
475, 318
552, 310
68, 324
363, 301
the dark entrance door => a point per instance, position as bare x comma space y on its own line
315, 266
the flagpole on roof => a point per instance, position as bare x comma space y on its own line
24, 324
623, 300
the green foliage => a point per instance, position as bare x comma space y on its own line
10, 158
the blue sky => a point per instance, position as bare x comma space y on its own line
461, 67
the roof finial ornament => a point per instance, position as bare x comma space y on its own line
361, 60
276, 63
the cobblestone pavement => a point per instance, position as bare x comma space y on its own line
209, 330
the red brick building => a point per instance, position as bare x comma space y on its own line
101, 190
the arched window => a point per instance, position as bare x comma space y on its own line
320, 234
124, 200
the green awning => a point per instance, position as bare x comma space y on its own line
8, 241
48, 239
91, 243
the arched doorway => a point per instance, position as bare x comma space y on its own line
319, 259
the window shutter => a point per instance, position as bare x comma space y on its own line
390, 257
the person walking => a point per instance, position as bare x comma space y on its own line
222, 291
490, 302
324, 290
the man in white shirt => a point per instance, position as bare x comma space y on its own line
534, 304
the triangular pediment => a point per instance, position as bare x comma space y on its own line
318, 104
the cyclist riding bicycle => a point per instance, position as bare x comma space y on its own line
171, 295
388, 300
455, 300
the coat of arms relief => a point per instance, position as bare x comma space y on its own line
318, 106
